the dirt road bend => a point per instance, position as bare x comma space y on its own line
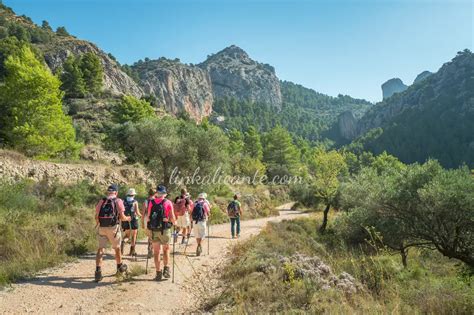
69, 289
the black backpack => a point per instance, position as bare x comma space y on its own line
198, 212
129, 208
157, 214
108, 214
233, 209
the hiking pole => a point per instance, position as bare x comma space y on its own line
174, 243
208, 236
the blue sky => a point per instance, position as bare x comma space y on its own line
349, 47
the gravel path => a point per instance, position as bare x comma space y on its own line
69, 289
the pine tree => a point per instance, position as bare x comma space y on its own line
93, 72
132, 109
253, 145
280, 154
72, 81
35, 122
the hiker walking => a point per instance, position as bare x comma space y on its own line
200, 215
234, 211
108, 213
151, 195
160, 220
183, 206
130, 228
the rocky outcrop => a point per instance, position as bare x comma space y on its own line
96, 153
347, 125
422, 76
116, 81
450, 82
178, 87
15, 167
393, 86
235, 75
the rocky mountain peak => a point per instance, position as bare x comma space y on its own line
393, 86
235, 75
422, 76
233, 52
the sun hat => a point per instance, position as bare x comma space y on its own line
131, 192
161, 189
202, 196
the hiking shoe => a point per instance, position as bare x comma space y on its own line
159, 276
98, 276
198, 250
166, 272
123, 268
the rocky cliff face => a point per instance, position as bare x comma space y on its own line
178, 87
453, 79
235, 75
347, 125
422, 76
393, 86
115, 80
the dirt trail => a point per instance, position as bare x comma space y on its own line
70, 289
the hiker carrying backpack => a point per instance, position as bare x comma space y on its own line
130, 228
200, 214
157, 216
234, 211
108, 213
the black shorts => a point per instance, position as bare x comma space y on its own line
133, 223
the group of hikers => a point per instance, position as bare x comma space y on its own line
118, 222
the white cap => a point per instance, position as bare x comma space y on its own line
202, 196
131, 192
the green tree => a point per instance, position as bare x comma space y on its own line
61, 31
327, 169
253, 144
280, 155
132, 109
92, 72
72, 80
35, 122
45, 25
8, 46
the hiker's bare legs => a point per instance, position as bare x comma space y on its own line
98, 257
118, 256
156, 255
134, 237
166, 255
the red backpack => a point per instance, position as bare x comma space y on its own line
180, 204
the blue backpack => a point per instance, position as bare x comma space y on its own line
198, 212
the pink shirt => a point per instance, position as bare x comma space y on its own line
167, 204
118, 202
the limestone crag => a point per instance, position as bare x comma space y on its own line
116, 81
235, 75
178, 87
393, 86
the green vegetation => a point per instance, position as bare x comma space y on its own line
82, 75
258, 277
43, 224
436, 122
304, 113
33, 121
131, 109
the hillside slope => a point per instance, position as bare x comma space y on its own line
432, 118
